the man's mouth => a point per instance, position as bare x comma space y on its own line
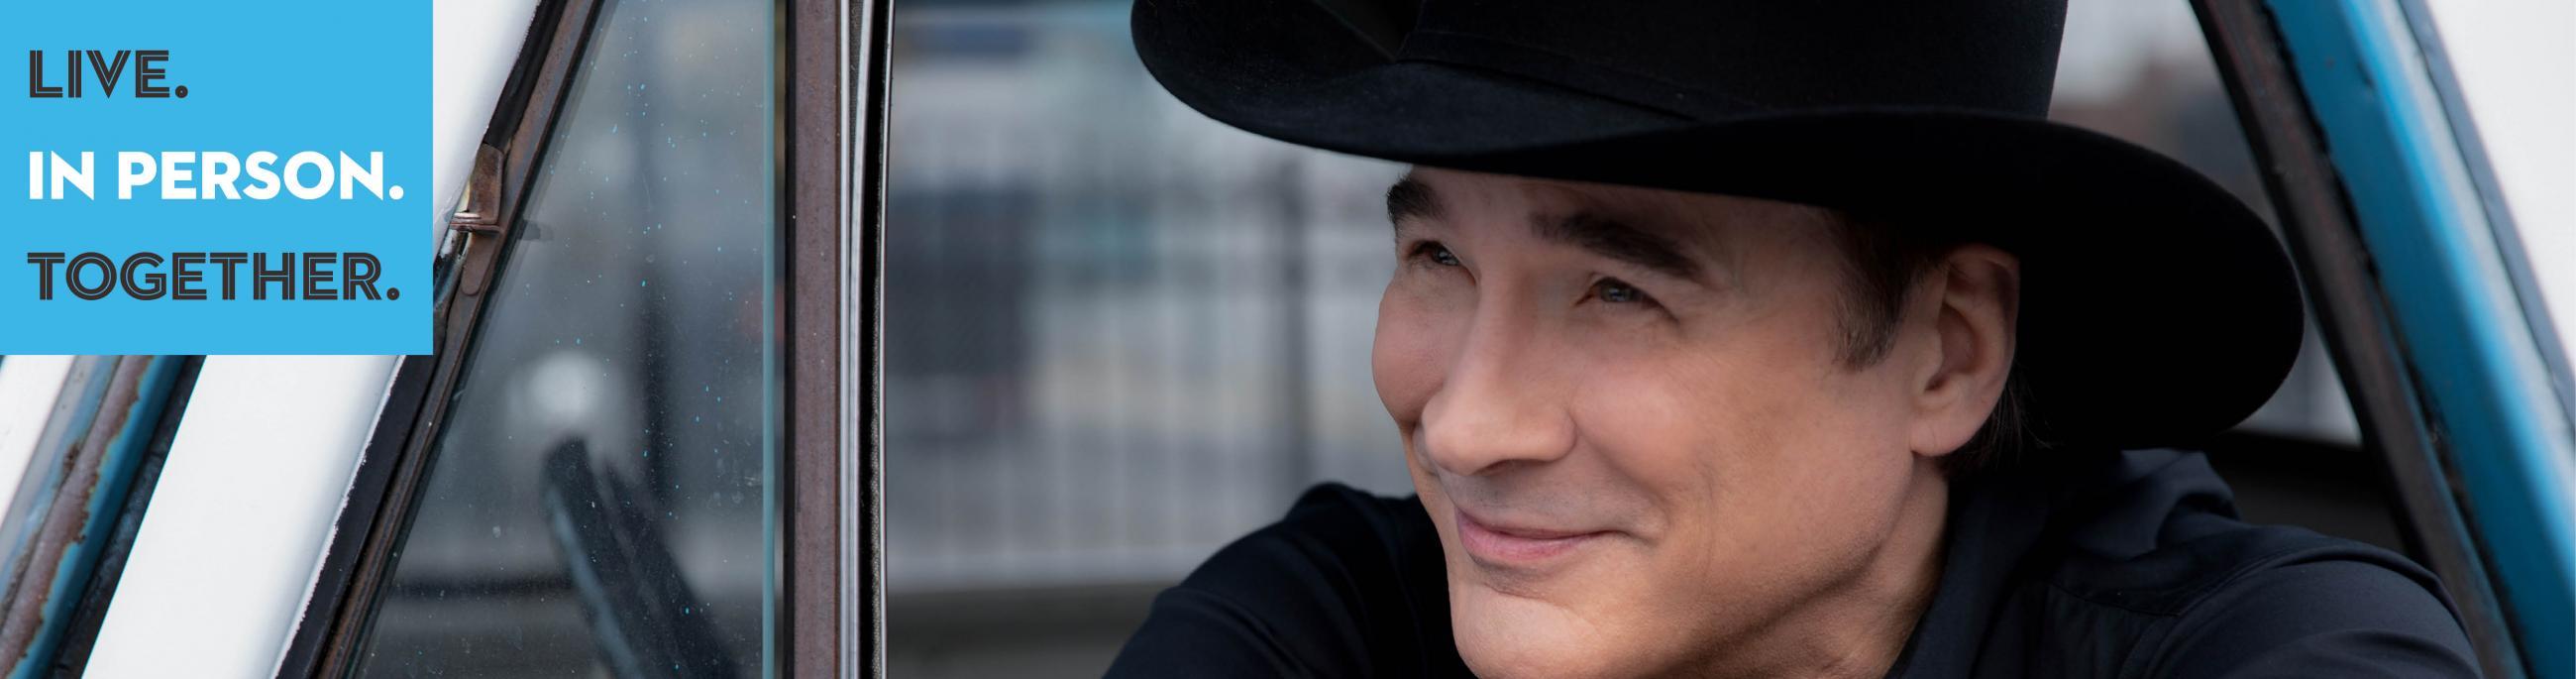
1518, 546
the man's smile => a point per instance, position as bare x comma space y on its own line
1520, 546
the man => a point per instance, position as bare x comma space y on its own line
1761, 339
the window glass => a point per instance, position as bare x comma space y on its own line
599, 501
1118, 335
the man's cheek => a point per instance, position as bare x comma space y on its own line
1407, 361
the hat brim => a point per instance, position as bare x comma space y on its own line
2157, 309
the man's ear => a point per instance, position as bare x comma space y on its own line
1972, 301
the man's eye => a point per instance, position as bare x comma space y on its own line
1614, 291
1436, 254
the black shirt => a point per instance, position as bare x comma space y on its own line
2127, 565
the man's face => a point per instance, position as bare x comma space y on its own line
1628, 413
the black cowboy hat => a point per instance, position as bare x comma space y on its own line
2156, 308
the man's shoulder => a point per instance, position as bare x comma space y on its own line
2166, 538
1335, 506
2323, 606
2161, 560
1348, 582
1330, 527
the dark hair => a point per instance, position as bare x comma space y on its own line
1885, 261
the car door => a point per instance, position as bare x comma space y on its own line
641, 446
2413, 253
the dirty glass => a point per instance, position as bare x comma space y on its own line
600, 497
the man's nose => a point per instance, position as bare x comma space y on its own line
1496, 407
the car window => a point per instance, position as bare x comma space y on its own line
1121, 335
601, 491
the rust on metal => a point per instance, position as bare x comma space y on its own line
67, 512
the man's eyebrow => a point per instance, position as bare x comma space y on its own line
1618, 240
1410, 198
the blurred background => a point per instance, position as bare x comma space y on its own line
1120, 335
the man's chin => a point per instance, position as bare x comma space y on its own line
1503, 636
